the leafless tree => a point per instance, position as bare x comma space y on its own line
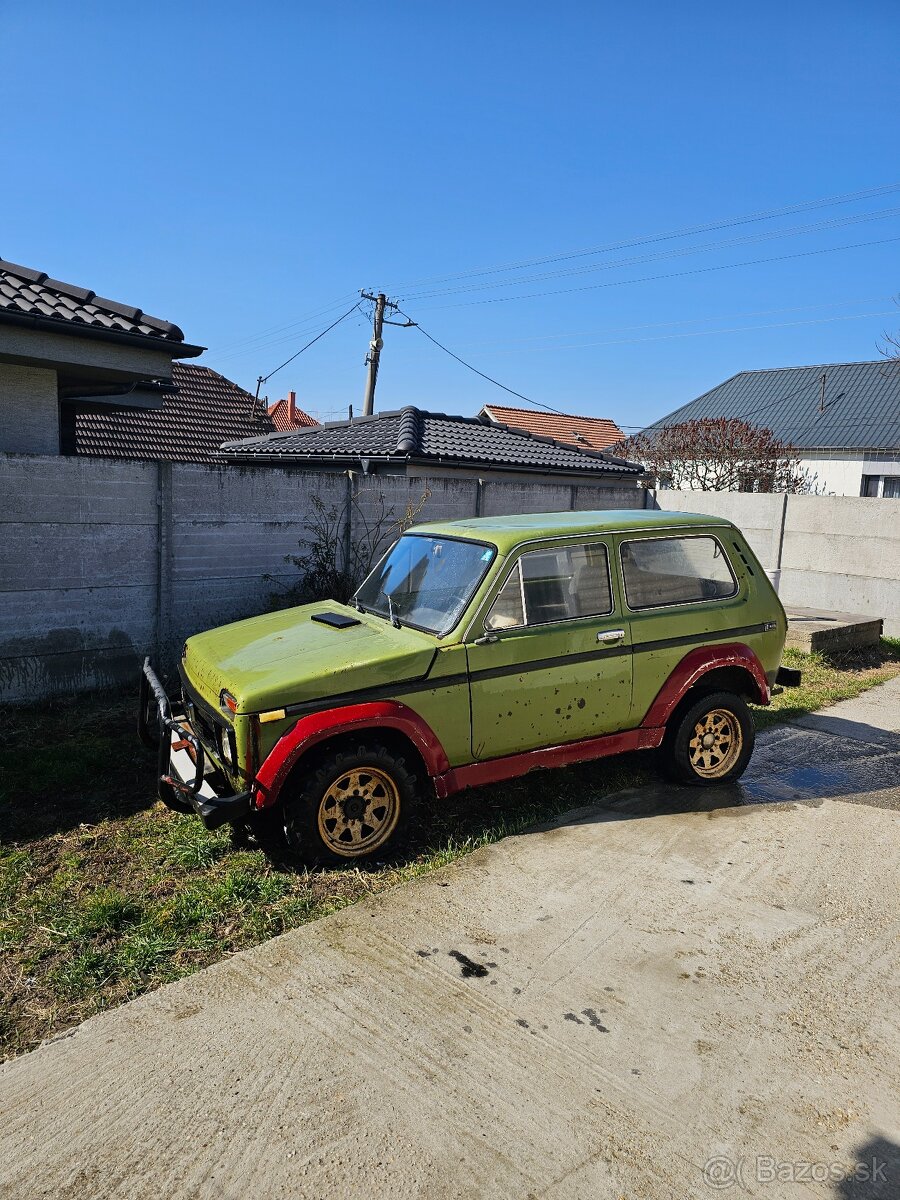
716, 454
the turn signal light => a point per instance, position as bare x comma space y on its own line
228, 701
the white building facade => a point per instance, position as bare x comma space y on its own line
842, 418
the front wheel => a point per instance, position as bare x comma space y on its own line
356, 802
710, 742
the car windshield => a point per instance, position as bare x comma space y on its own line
426, 582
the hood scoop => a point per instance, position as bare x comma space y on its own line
335, 620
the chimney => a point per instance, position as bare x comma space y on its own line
292, 408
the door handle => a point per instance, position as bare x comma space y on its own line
487, 640
611, 635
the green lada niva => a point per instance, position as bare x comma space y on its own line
476, 651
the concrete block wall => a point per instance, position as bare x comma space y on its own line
840, 553
231, 530
103, 562
78, 572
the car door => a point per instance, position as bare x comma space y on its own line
549, 661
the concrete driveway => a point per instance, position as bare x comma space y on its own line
672, 994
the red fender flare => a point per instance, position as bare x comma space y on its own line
691, 670
350, 719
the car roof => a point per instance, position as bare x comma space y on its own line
508, 532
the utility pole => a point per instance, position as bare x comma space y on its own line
381, 303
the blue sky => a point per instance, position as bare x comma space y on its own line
244, 169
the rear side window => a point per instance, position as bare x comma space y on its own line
554, 585
677, 570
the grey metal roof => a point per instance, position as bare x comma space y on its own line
32, 297
861, 405
414, 434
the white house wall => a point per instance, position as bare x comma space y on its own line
838, 474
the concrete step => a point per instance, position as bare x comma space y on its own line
831, 632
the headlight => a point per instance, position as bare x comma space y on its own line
226, 747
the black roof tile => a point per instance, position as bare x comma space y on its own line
26, 292
413, 433
190, 426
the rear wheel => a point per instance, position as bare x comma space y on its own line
357, 802
710, 742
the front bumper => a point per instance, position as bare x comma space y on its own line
184, 783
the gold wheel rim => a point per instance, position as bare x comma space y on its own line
716, 743
358, 812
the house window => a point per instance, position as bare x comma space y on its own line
662, 571
886, 486
554, 585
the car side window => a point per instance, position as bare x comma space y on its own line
658, 572
552, 585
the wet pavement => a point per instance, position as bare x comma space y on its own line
669, 993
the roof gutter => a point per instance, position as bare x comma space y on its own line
247, 459
76, 329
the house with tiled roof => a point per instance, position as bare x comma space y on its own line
198, 411
591, 433
843, 418
285, 415
63, 347
411, 441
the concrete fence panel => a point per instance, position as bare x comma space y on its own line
840, 553
78, 572
759, 517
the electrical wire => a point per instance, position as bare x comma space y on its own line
680, 252
664, 337
469, 367
589, 287
296, 331
265, 378
688, 231
512, 343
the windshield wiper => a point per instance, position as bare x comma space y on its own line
393, 616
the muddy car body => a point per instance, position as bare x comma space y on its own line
476, 651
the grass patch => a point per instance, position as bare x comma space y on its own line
827, 680
105, 894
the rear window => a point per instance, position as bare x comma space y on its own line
677, 570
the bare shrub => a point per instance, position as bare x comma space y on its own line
343, 545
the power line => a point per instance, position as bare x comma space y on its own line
589, 287
265, 378
681, 252
757, 312
688, 231
664, 337
264, 334
469, 367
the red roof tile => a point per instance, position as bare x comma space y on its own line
280, 415
594, 433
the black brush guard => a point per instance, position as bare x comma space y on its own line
156, 724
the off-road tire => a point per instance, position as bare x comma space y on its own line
357, 802
709, 742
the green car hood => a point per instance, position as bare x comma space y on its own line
285, 657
